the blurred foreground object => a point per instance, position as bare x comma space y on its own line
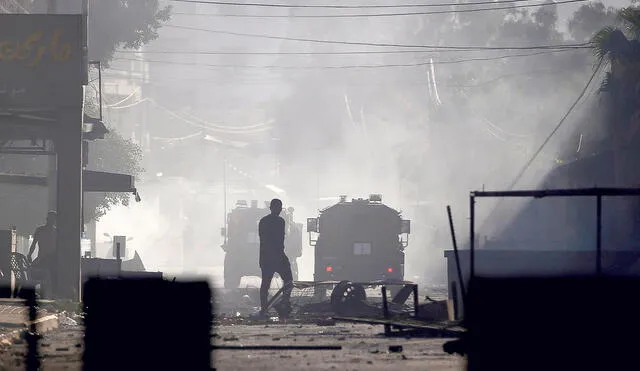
147, 324
556, 323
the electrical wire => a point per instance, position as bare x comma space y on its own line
434, 12
365, 66
518, 74
564, 118
174, 139
204, 52
178, 117
585, 45
394, 82
249, 129
202, 124
124, 99
348, 6
497, 205
128, 105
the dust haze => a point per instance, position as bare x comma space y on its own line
422, 127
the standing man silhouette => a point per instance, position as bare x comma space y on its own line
272, 257
45, 238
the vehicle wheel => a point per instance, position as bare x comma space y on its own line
294, 269
347, 296
231, 276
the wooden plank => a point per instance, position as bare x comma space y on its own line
405, 322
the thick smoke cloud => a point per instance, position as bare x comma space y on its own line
423, 130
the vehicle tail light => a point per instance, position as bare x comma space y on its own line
390, 270
329, 268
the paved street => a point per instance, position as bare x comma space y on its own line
60, 349
362, 349
363, 346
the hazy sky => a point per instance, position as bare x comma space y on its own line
564, 11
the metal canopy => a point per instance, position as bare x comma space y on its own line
561, 192
97, 181
93, 181
598, 193
97, 128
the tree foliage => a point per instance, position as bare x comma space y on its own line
589, 19
114, 24
619, 47
126, 23
111, 25
502, 103
619, 44
112, 154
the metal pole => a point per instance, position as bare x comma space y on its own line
33, 358
52, 180
224, 192
599, 234
52, 6
457, 255
416, 303
100, 86
385, 309
472, 234
118, 258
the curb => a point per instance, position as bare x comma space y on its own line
43, 324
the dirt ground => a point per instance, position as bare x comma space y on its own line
362, 349
60, 349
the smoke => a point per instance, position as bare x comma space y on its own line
422, 130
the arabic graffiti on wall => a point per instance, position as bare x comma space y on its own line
33, 49
42, 62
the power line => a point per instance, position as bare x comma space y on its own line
365, 66
271, 53
395, 82
124, 99
585, 45
202, 124
537, 153
348, 6
396, 14
204, 52
526, 166
174, 139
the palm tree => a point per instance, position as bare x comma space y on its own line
619, 48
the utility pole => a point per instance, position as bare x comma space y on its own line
53, 161
224, 193
99, 66
51, 178
68, 148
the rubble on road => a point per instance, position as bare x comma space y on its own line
426, 319
309, 346
65, 320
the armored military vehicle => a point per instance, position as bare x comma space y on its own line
361, 240
242, 243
